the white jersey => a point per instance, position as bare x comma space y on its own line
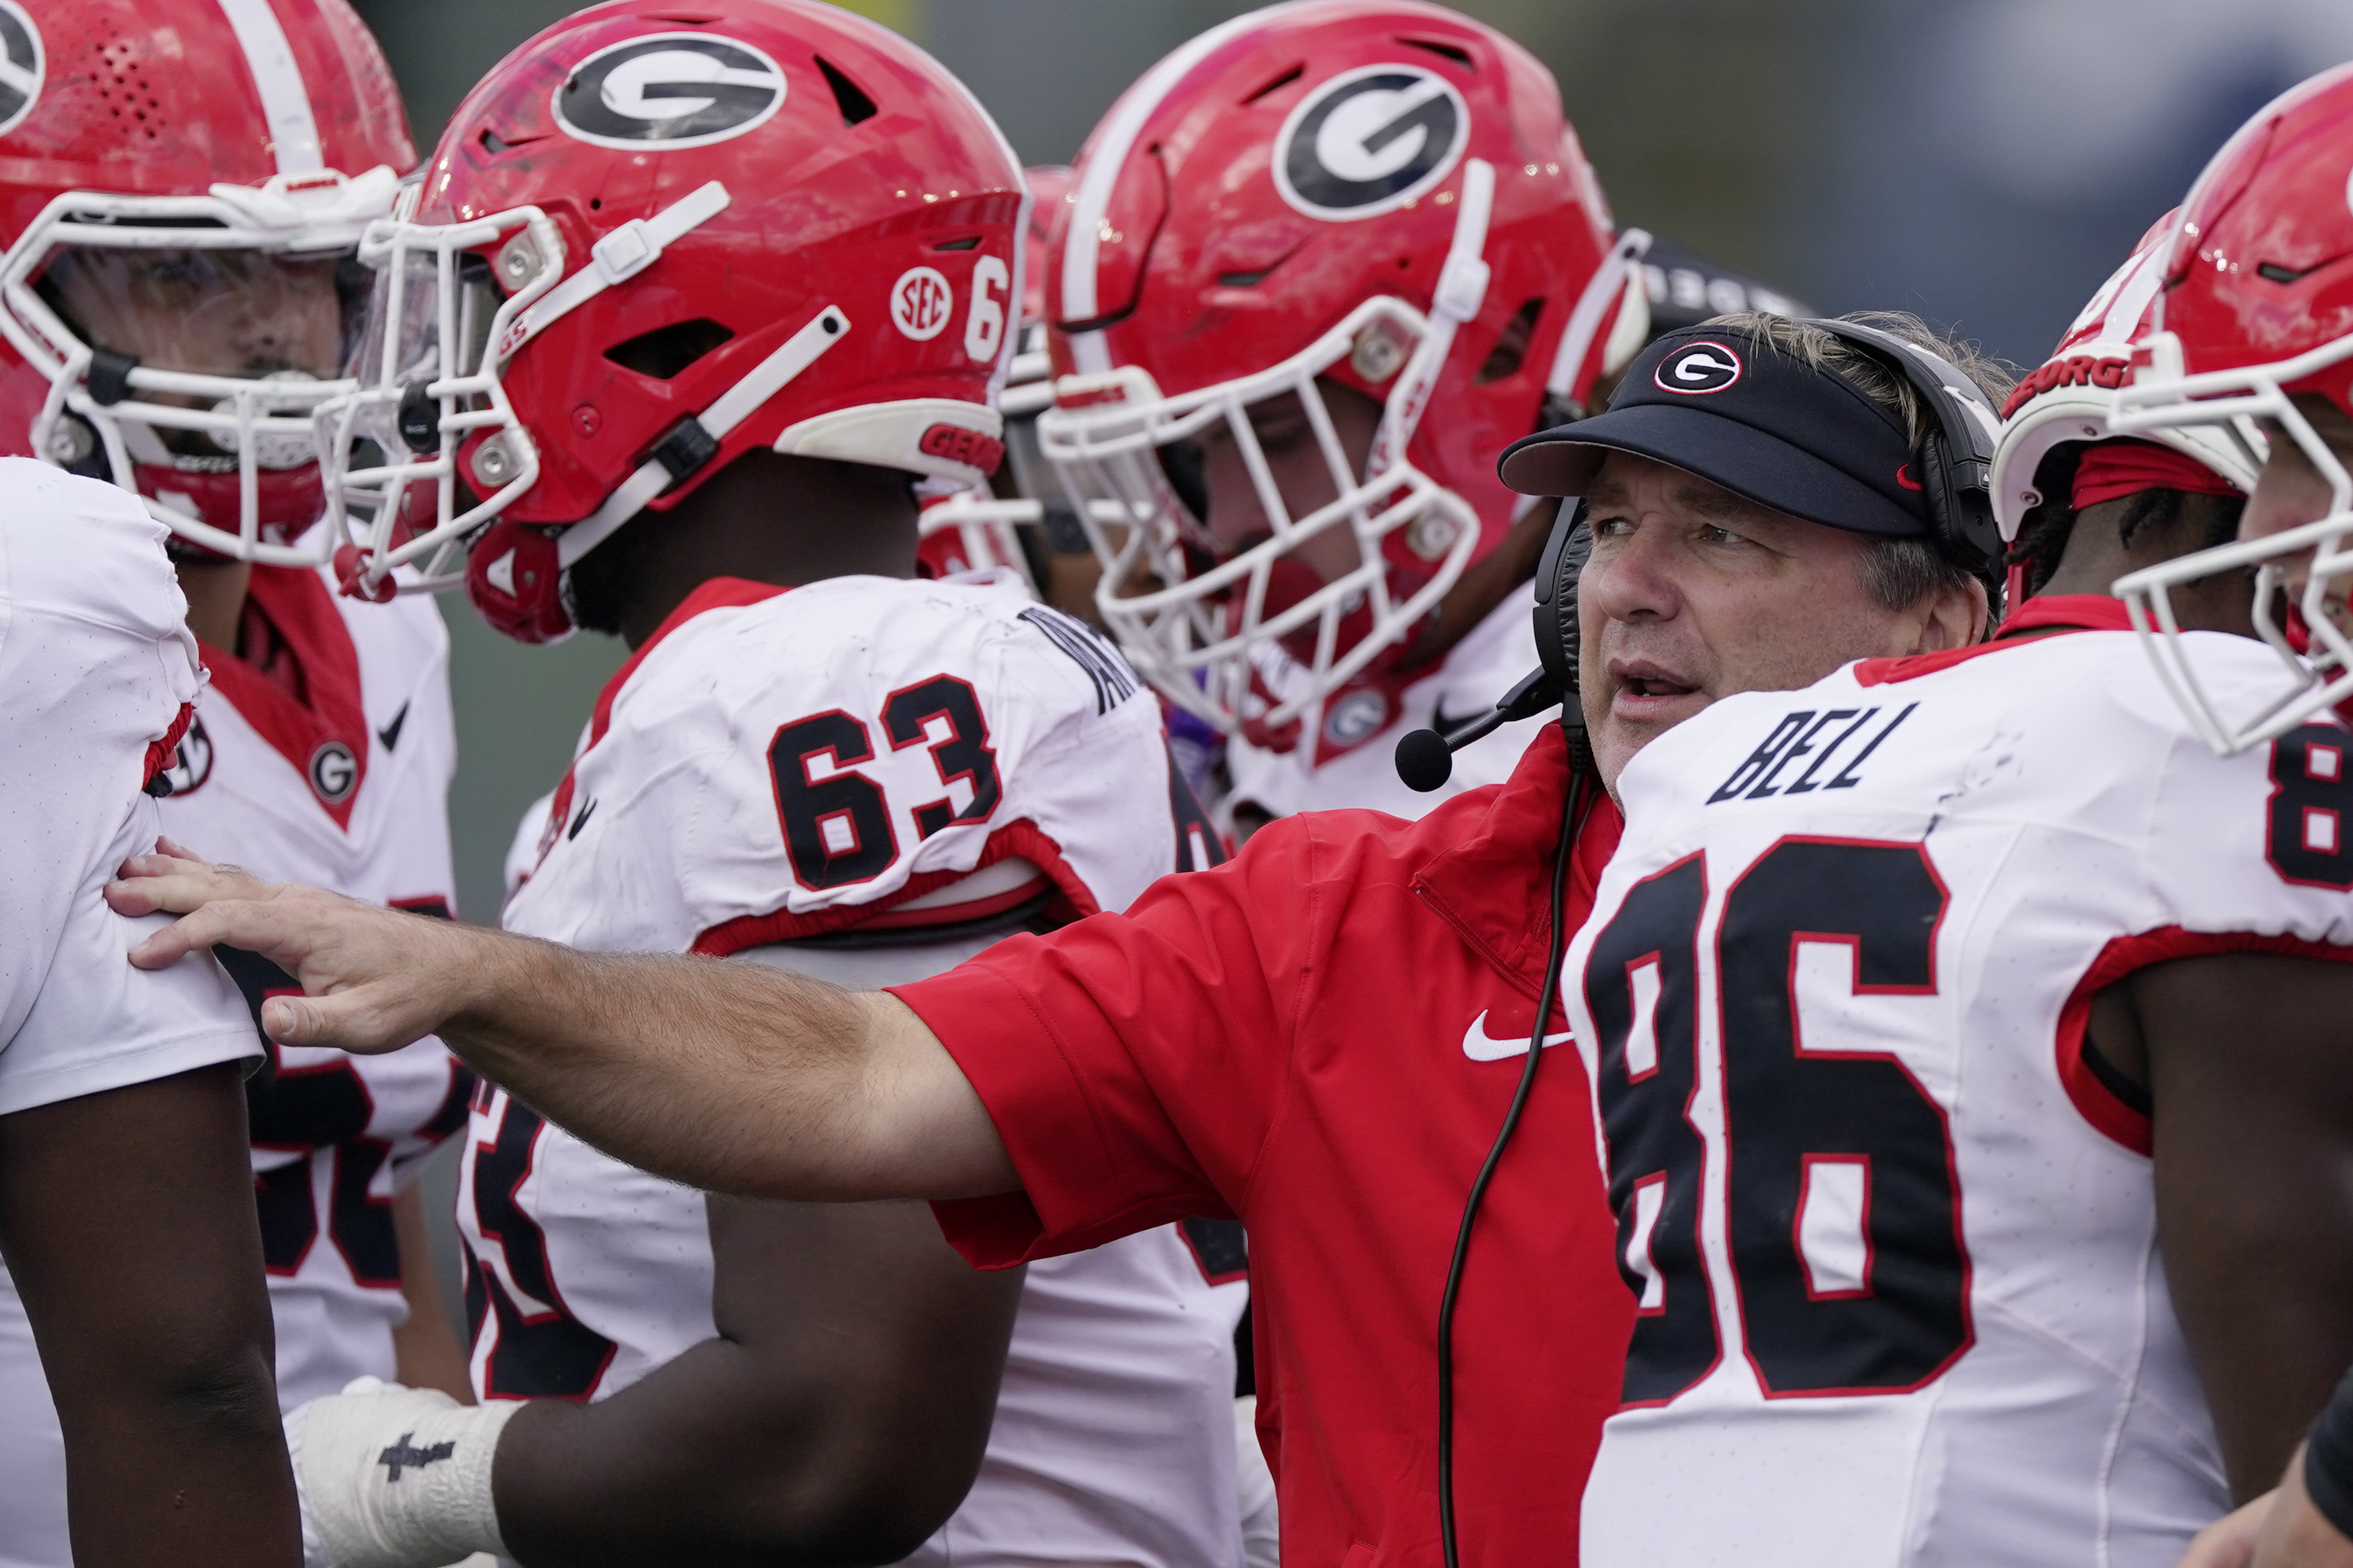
97, 674
778, 765
348, 791
1893, 1236
1354, 761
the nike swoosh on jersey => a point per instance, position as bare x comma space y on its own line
1481, 1047
390, 733
1446, 724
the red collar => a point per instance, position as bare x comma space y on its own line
2059, 612
716, 593
2066, 612
1492, 885
302, 612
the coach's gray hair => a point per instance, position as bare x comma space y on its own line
1897, 573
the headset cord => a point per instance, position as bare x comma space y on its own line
1572, 823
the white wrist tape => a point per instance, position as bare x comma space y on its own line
395, 1477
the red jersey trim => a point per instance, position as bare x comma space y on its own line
718, 594
161, 754
2045, 613
301, 609
1024, 838
2122, 957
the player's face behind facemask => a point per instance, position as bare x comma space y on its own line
209, 317
1287, 463
1694, 594
2294, 489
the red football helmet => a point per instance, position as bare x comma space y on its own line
974, 528
182, 184
1386, 197
2255, 309
2068, 398
649, 241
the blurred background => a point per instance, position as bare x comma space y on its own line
1985, 163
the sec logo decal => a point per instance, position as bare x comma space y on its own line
920, 303
669, 90
1696, 368
1369, 141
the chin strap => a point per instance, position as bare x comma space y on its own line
1462, 289
695, 439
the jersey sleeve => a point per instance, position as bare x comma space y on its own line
97, 668
2256, 848
1133, 1064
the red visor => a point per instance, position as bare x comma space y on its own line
2114, 469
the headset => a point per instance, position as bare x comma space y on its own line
1954, 461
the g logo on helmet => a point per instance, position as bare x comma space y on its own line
1369, 141
334, 771
1697, 368
669, 91
22, 67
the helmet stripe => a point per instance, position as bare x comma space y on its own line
285, 102
1081, 248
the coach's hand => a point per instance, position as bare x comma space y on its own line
374, 979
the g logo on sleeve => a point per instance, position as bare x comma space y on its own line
1697, 368
1369, 141
668, 91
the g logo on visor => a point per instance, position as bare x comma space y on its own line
668, 91
1696, 368
1369, 141
21, 66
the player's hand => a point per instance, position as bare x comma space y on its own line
395, 1477
2230, 1540
374, 979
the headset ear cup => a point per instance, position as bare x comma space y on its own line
1962, 517
1563, 561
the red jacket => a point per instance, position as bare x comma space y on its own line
1312, 1038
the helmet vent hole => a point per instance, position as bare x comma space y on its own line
855, 105
1286, 80
1510, 348
2273, 272
966, 243
666, 351
1455, 52
492, 143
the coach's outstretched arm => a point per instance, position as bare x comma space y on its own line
730, 1077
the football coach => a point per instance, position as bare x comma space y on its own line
1320, 1038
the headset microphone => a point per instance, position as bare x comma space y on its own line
1425, 758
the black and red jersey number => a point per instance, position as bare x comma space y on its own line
1785, 1108
541, 1351
838, 827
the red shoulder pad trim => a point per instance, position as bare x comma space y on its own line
2122, 957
